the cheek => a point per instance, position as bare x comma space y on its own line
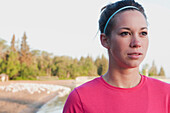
121, 45
118, 46
146, 45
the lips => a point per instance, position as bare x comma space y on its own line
134, 55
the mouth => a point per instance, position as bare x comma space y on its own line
134, 55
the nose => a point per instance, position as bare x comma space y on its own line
135, 42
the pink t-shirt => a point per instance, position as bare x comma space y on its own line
97, 96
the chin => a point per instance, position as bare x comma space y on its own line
132, 64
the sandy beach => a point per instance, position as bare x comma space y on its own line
25, 102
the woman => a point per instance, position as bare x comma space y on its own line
124, 32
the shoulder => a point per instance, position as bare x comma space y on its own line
90, 85
155, 81
74, 102
157, 84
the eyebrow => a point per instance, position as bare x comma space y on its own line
144, 28
130, 29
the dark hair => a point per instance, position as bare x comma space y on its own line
108, 10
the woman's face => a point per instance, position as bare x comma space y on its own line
128, 41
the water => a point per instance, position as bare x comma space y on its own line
54, 106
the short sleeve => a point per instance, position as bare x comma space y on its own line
73, 103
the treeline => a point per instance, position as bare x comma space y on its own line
152, 71
19, 62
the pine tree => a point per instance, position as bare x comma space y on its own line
28, 68
12, 65
13, 44
102, 65
153, 70
4, 54
145, 70
162, 72
90, 66
12, 61
3, 47
25, 54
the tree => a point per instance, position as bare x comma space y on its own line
3, 47
12, 65
61, 66
90, 66
25, 54
161, 72
73, 70
2, 65
28, 68
36, 53
145, 70
87, 66
153, 70
102, 65
46, 62
13, 44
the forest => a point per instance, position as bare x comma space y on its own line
21, 63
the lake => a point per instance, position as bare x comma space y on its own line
54, 106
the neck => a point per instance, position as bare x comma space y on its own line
123, 78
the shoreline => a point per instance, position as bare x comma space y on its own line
35, 107
24, 102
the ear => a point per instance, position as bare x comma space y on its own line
104, 41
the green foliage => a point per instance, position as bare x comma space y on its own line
153, 70
3, 46
87, 66
12, 65
59, 67
102, 65
145, 69
162, 72
28, 72
23, 64
2, 65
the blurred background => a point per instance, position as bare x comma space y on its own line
48, 30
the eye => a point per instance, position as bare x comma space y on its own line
124, 33
144, 33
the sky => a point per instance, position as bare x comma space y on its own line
70, 27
